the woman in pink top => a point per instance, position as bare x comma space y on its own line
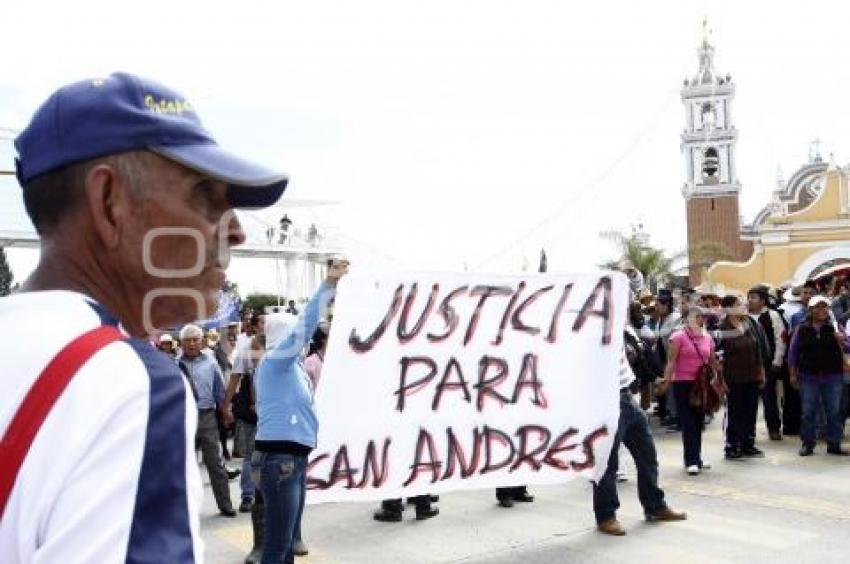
689, 348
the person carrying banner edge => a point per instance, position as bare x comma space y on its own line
633, 432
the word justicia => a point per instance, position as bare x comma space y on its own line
516, 301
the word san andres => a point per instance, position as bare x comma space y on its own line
457, 346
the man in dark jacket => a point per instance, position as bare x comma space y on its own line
772, 347
816, 360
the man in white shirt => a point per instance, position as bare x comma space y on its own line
133, 202
774, 328
792, 304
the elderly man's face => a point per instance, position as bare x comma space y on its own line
187, 224
191, 346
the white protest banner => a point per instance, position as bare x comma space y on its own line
436, 382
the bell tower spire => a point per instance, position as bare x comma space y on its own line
709, 137
711, 185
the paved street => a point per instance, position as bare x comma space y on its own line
782, 508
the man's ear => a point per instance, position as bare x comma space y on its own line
108, 202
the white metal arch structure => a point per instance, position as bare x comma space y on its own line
251, 249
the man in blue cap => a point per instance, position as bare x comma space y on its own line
133, 201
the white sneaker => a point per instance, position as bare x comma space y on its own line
693, 470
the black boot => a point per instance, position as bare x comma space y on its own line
432, 497
520, 493
424, 509
390, 511
504, 497
257, 524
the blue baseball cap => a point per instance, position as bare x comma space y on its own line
123, 112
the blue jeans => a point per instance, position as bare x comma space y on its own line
297, 536
243, 442
245, 481
633, 432
814, 393
282, 479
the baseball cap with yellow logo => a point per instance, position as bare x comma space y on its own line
123, 112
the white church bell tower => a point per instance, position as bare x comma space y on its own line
708, 140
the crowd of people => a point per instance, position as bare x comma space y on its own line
784, 347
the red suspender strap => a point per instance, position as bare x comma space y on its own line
40, 399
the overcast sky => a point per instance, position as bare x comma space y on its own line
454, 132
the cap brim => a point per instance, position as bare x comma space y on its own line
250, 185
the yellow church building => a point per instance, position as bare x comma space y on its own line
804, 233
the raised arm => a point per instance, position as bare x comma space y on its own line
293, 343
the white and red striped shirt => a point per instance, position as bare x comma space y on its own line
111, 475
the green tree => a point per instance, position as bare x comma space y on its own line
705, 254
702, 256
655, 265
258, 302
6, 276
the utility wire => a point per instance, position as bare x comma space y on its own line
589, 191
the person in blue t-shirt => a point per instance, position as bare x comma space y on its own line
809, 290
287, 425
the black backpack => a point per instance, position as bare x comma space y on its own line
642, 359
243, 400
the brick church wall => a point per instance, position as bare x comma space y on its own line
714, 220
